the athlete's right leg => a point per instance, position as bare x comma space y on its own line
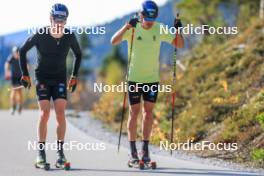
43, 93
44, 108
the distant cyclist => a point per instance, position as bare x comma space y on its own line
53, 44
13, 72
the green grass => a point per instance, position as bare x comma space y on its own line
257, 155
260, 119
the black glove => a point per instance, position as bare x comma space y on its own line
26, 81
177, 23
133, 22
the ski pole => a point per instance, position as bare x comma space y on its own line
125, 93
173, 96
174, 82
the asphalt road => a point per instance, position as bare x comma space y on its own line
16, 159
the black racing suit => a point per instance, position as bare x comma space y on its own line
50, 72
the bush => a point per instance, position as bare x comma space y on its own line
257, 155
260, 119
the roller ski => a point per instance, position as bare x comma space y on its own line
62, 163
133, 161
146, 163
41, 162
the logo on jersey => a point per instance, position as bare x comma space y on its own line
154, 37
61, 89
152, 93
42, 87
139, 38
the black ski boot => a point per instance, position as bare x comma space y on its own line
62, 162
145, 161
133, 161
41, 162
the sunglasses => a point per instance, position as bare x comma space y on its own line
59, 20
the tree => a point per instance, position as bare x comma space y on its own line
199, 11
202, 12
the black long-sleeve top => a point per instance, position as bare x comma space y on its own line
51, 55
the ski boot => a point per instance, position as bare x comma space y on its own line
41, 162
133, 161
62, 162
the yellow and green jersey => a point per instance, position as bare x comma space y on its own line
144, 64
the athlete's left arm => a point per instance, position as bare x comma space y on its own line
77, 53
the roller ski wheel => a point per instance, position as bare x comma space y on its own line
129, 164
153, 165
133, 163
62, 163
45, 166
65, 166
147, 165
141, 165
